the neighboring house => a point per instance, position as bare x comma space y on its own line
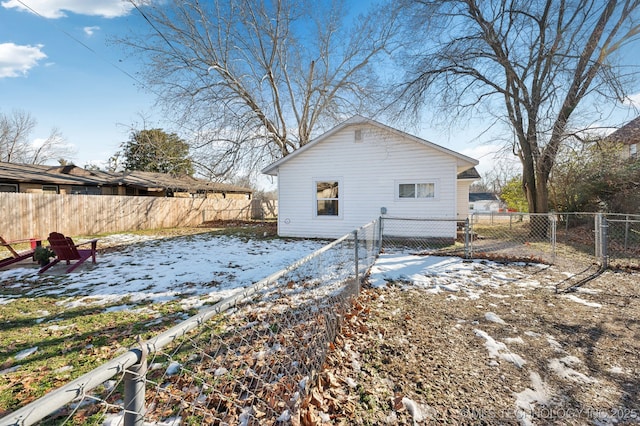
72, 179
629, 136
485, 202
361, 169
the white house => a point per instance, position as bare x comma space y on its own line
361, 169
485, 202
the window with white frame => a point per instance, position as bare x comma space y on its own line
50, 189
421, 191
327, 198
633, 150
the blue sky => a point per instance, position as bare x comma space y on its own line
61, 69
59, 66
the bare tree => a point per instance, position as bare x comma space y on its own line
17, 147
532, 63
14, 133
54, 147
251, 81
497, 178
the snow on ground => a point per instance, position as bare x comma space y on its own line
584, 302
192, 269
480, 279
205, 267
454, 274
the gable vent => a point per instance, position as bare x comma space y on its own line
357, 137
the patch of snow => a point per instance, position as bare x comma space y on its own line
9, 370
498, 349
554, 343
160, 270
563, 368
351, 383
490, 316
528, 398
118, 308
220, 371
585, 290
437, 273
173, 368
417, 411
56, 327
615, 370
284, 417
584, 302
63, 369
25, 353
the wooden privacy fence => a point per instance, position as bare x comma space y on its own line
36, 215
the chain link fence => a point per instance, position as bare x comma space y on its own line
514, 237
423, 235
577, 242
623, 248
248, 360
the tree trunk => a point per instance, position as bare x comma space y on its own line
535, 186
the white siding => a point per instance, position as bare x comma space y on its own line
369, 172
463, 199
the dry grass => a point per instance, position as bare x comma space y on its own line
406, 356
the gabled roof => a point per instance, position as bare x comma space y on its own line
483, 196
627, 134
471, 174
463, 160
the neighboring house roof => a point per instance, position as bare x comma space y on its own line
161, 181
482, 196
464, 162
53, 175
627, 134
74, 175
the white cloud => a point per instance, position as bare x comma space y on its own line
56, 8
17, 60
633, 100
90, 30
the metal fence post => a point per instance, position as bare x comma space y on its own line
467, 239
598, 234
356, 255
380, 233
554, 228
135, 390
626, 232
604, 241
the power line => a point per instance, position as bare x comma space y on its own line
89, 48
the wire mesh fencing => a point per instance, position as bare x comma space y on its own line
248, 360
499, 236
579, 242
514, 236
623, 237
423, 235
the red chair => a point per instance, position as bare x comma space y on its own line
66, 249
17, 256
